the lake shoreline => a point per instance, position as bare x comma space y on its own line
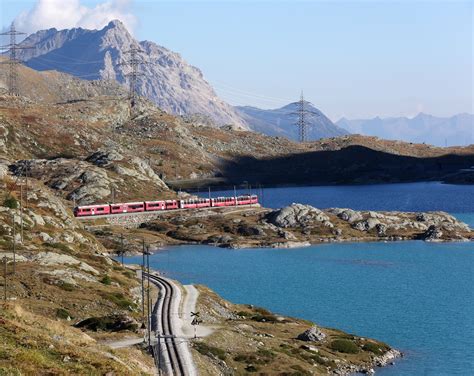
359, 261
293, 226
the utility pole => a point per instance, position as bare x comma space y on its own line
148, 295
5, 278
25, 171
122, 251
302, 112
14, 243
13, 61
158, 336
143, 282
21, 212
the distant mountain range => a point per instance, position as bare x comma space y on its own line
165, 77
423, 128
281, 122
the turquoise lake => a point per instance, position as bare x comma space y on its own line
416, 296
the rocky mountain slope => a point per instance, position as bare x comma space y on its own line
62, 275
423, 128
281, 122
165, 77
83, 143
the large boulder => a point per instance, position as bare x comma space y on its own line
350, 215
104, 158
296, 215
367, 224
433, 234
313, 334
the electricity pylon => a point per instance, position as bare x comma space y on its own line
133, 62
303, 112
13, 60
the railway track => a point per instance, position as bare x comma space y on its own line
171, 360
157, 212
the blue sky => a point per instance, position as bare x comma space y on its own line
355, 59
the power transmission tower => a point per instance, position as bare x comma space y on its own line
13, 61
303, 112
133, 62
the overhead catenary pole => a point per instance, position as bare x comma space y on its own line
143, 282
121, 247
148, 295
21, 213
159, 354
5, 278
26, 184
14, 243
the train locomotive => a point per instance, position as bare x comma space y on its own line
163, 205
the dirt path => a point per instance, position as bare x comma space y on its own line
189, 305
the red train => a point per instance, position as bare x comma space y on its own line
146, 206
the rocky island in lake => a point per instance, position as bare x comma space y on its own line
296, 225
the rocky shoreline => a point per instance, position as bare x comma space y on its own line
251, 339
294, 226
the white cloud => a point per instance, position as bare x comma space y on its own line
65, 14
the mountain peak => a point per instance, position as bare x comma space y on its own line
117, 24
164, 77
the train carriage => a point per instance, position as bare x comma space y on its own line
195, 203
127, 207
223, 201
84, 211
155, 205
171, 204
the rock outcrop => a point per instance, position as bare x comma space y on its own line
296, 215
313, 334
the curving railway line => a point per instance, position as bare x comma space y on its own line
172, 352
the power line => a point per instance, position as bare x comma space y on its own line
13, 61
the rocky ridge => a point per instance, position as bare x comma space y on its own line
167, 79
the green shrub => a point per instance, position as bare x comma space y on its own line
61, 313
10, 202
106, 280
300, 371
129, 274
4, 355
210, 350
60, 246
243, 313
376, 348
67, 286
262, 356
344, 346
120, 300
264, 318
